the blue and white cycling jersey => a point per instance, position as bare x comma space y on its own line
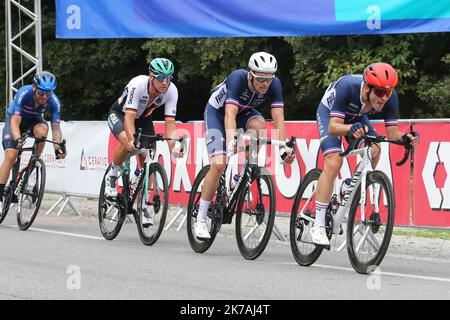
234, 90
343, 99
23, 105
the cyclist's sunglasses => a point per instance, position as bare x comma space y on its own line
161, 77
262, 79
381, 92
42, 93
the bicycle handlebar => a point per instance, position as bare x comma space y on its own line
375, 139
261, 140
27, 134
159, 137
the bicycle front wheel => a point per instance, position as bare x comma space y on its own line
154, 203
31, 194
368, 238
111, 211
255, 214
302, 219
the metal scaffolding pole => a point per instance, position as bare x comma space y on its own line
15, 45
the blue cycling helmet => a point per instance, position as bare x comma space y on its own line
45, 81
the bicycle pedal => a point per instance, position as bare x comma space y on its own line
327, 247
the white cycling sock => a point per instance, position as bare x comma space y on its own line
321, 210
203, 209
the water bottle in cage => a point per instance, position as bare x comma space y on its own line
344, 187
31, 181
135, 178
234, 181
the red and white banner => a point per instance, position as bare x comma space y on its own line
90, 147
287, 178
431, 187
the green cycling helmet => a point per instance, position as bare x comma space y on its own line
161, 66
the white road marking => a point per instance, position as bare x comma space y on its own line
393, 274
61, 233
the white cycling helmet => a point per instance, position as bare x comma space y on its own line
263, 62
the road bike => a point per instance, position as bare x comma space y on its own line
27, 185
367, 206
150, 192
252, 199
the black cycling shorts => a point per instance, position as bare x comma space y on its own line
25, 124
116, 120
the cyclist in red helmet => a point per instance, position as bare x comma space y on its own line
344, 111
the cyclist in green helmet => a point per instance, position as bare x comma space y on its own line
133, 110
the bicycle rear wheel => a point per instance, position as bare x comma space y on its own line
7, 198
255, 214
368, 240
214, 218
302, 219
111, 211
31, 194
155, 201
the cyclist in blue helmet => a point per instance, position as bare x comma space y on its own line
45, 81
25, 112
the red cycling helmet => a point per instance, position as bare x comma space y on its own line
380, 75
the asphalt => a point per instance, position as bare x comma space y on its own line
66, 258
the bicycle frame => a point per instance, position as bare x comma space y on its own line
249, 165
150, 155
231, 199
149, 158
16, 185
125, 171
359, 177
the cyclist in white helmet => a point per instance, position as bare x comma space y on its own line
232, 106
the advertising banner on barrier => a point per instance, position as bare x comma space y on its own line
251, 18
181, 172
81, 172
86, 161
90, 152
431, 187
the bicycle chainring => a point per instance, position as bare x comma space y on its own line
156, 203
375, 222
260, 213
216, 217
329, 224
